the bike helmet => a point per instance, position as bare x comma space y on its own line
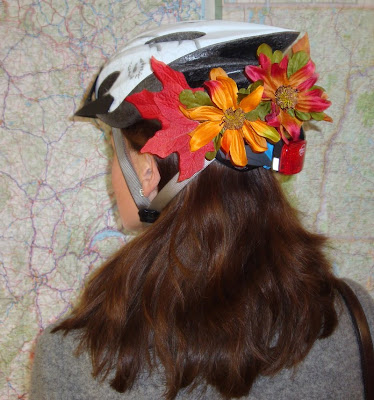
185, 54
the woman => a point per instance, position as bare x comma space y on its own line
223, 293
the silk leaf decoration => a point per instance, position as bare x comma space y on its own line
175, 127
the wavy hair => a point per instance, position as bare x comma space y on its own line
225, 286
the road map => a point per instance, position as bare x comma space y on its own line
58, 221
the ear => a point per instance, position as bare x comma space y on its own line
149, 175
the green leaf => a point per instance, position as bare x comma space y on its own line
203, 98
241, 97
260, 112
243, 93
277, 56
217, 144
264, 109
265, 49
272, 134
303, 116
252, 115
217, 141
318, 116
317, 87
291, 111
297, 61
197, 99
255, 85
210, 155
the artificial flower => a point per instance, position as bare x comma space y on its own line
289, 85
228, 117
164, 106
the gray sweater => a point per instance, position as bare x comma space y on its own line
331, 370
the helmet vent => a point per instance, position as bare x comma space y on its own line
176, 37
107, 83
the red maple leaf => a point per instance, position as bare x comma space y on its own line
164, 106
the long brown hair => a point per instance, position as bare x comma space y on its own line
225, 286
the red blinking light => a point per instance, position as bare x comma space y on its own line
292, 157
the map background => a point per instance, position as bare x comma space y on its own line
56, 217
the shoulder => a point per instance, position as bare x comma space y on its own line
52, 364
332, 366
55, 342
57, 350
59, 373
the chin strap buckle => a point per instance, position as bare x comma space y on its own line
147, 215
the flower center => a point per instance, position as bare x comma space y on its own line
286, 97
233, 119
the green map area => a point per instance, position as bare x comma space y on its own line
57, 220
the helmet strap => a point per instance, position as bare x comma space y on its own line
171, 189
148, 210
128, 171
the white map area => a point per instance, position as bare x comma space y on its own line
56, 218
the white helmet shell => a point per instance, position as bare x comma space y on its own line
192, 48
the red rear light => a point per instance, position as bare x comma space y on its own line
292, 157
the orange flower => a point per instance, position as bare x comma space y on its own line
229, 116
